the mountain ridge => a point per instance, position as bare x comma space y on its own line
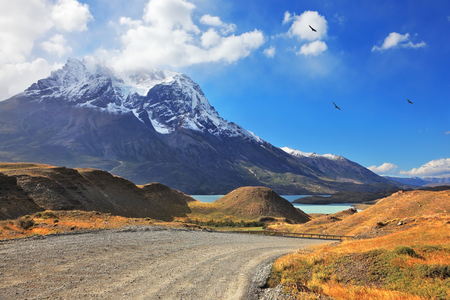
86, 116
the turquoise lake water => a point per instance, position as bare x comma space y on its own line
307, 208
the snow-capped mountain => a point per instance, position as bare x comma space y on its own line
157, 126
336, 166
169, 100
299, 153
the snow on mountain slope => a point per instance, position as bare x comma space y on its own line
298, 153
170, 100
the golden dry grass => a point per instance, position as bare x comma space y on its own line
67, 221
417, 220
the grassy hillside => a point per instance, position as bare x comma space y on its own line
248, 203
402, 251
398, 211
60, 188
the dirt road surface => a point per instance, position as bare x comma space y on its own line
140, 263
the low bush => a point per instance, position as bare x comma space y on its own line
48, 214
25, 223
405, 250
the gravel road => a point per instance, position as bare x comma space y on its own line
140, 263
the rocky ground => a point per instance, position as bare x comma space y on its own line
149, 262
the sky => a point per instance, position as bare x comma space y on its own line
261, 65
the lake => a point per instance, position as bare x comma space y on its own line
307, 208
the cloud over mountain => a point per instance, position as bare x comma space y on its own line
437, 167
382, 169
20, 29
168, 31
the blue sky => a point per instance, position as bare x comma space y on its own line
262, 67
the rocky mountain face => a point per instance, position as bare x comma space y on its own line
155, 126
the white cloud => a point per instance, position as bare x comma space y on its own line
22, 26
313, 48
169, 37
215, 21
447, 132
70, 15
130, 22
270, 52
448, 18
287, 17
300, 27
210, 38
56, 45
383, 169
170, 15
433, 168
17, 77
395, 39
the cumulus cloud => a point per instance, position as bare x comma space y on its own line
70, 15
169, 37
301, 30
395, 40
22, 26
313, 48
56, 45
300, 26
270, 52
438, 167
287, 17
215, 21
383, 169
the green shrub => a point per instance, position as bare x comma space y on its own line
48, 214
405, 250
25, 223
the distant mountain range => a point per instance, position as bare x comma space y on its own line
418, 181
157, 126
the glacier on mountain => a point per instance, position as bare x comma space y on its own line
171, 100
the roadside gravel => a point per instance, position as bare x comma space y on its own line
148, 262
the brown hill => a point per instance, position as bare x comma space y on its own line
60, 188
14, 202
249, 203
397, 212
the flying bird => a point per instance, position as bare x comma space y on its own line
336, 106
409, 101
312, 28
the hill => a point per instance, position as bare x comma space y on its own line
401, 250
397, 212
248, 203
60, 188
348, 197
14, 202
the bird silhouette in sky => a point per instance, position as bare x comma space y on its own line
312, 28
409, 101
336, 106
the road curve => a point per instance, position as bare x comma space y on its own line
138, 263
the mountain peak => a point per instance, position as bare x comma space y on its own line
168, 99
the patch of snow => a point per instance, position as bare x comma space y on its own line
298, 153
